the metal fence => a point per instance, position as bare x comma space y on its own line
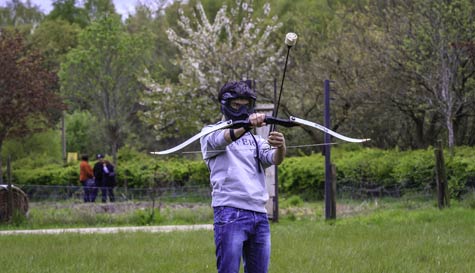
38, 193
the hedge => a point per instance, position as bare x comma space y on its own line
303, 175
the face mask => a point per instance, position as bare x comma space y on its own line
237, 114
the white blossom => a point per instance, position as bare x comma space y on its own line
234, 46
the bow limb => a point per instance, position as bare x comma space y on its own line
205, 131
328, 131
294, 121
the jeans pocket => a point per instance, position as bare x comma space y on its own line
225, 215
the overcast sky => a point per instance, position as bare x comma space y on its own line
123, 7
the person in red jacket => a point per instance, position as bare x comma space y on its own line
86, 177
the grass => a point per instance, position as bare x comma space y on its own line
68, 214
426, 240
384, 236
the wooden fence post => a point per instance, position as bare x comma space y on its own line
441, 177
9, 192
333, 192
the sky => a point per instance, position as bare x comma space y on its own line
123, 7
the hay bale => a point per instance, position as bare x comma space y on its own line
20, 201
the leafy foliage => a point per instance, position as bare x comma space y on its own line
81, 133
27, 102
100, 75
68, 11
54, 38
300, 176
402, 70
238, 44
426, 65
40, 148
20, 15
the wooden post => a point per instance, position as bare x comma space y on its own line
333, 192
330, 173
63, 138
271, 173
9, 191
441, 177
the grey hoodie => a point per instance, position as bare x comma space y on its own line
236, 179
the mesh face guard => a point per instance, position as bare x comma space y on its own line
236, 90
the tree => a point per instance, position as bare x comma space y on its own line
100, 75
82, 133
67, 10
27, 102
156, 20
312, 61
19, 15
429, 45
98, 8
54, 39
238, 44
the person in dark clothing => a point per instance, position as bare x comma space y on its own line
99, 176
109, 181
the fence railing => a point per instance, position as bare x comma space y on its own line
38, 193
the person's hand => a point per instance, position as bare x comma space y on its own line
257, 119
276, 139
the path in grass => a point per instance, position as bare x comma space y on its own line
110, 229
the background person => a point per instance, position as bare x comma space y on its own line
236, 159
109, 180
86, 177
99, 177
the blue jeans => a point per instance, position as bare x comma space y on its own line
241, 233
89, 190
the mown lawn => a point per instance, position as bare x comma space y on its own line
395, 239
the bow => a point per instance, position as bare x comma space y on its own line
291, 122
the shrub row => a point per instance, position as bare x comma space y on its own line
373, 168
356, 167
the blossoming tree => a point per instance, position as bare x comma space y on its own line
238, 44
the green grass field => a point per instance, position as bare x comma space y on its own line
391, 238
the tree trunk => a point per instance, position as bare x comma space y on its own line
114, 152
114, 145
449, 102
451, 135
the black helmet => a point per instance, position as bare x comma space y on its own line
237, 90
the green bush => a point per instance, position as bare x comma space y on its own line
300, 176
414, 169
365, 167
460, 169
52, 174
41, 147
294, 201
